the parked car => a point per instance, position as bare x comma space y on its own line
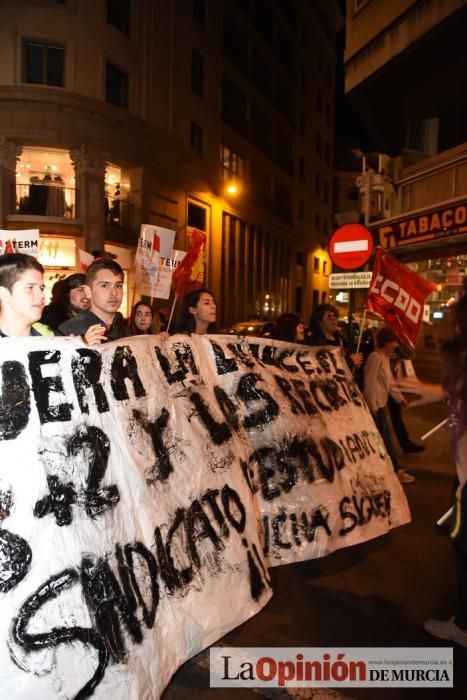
254, 327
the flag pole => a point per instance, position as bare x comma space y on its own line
361, 331
171, 313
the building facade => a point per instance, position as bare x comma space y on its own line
180, 113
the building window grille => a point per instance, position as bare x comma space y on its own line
197, 73
43, 64
118, 15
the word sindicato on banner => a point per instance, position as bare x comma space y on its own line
146, 487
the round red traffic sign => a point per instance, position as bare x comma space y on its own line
350, 246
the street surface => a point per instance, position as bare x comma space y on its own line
376, 594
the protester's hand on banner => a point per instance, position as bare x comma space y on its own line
95, 335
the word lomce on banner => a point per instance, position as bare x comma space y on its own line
147, 485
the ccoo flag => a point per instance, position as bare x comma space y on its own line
398, 294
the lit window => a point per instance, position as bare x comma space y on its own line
43, 64
232, 164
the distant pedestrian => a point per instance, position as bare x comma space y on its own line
454, 380
324, 330
198, 313
69, 298
289, 327
379, 384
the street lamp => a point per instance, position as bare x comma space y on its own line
231, 187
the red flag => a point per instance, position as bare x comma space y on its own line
182, 279
398, 294
156, 243
9, 247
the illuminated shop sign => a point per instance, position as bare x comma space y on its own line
438, 223
57, 252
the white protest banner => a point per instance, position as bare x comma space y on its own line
153, 242
317, 463
26, 241
166, 270
132, 481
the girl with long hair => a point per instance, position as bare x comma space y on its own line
198, 313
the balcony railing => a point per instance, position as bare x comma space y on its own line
46, 199
118, 212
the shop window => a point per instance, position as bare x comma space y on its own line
196, 139
116, 86
45, 183
43, 64
118, 15
197, 73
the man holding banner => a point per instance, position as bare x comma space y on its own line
104, 286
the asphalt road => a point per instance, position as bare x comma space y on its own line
376, 594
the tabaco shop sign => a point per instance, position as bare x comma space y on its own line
426, 226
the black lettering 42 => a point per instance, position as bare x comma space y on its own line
94, 446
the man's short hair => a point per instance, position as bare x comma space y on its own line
102, 264
12, 266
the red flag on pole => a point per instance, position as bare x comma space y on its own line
398, 294
183, 281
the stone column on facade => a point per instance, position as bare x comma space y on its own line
9, 154
89, 165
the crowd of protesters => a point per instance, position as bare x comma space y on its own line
88, 306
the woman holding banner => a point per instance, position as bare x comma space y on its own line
198, 313
454, 380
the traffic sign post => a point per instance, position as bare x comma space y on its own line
350, 246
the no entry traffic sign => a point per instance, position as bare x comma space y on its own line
350, 246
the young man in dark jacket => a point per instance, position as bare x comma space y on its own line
102, 321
